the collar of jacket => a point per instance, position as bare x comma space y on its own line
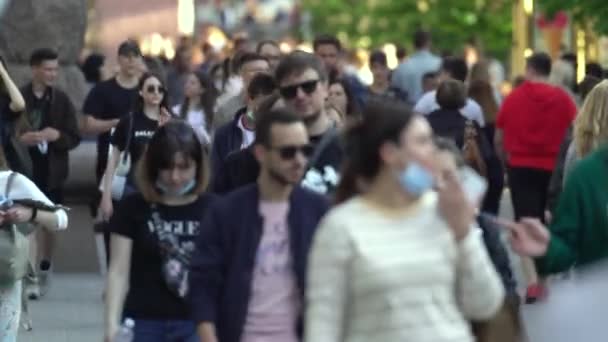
28, 93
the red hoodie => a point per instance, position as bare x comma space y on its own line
534, 119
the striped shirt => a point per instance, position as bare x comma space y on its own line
386, 276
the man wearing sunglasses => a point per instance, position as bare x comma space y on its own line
303, 88
247, 276
302, 82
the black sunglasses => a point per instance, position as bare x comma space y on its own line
289, 152
155, 89
291, 91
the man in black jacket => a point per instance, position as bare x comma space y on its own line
239, 133
45, 134
248, 274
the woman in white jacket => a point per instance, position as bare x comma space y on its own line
398, 262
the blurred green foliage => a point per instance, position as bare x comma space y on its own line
372, 23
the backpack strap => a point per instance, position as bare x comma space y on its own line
326, 139
9, 183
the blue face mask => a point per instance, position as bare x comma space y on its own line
415, 179
181, 192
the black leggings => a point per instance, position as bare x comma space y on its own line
529, 191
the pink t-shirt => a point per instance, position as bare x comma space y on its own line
274, 303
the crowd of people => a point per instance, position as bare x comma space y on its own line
275, 197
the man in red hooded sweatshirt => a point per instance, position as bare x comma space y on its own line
531, 124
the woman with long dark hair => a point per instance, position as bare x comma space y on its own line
198, 107
132, 134
148, 229
342, 101
396, 260
482, 93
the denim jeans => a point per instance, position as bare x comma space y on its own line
165, 331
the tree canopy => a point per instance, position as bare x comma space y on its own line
371, 23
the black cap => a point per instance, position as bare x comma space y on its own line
128, 48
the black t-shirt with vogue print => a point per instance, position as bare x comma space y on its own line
149, 297
141, 129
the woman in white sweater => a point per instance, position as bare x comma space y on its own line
399, 262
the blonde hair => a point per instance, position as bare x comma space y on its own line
591, 124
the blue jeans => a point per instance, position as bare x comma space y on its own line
165, 331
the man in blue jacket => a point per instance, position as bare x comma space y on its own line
248, 273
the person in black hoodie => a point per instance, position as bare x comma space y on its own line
448, 122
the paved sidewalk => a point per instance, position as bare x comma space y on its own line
72, 311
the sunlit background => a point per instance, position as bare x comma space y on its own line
503, 29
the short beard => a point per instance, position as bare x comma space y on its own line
311, 119
278, 177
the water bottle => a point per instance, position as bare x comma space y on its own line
125, 333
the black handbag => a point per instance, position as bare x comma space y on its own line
176, 260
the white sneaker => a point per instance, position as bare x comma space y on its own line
44, 277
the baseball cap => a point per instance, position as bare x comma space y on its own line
129, 47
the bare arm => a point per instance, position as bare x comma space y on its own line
106, 197
91, 125
52, 220
206, 332
117, 283
17, 102
110, 168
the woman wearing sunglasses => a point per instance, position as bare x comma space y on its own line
133, 133
398, 261
172, 177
